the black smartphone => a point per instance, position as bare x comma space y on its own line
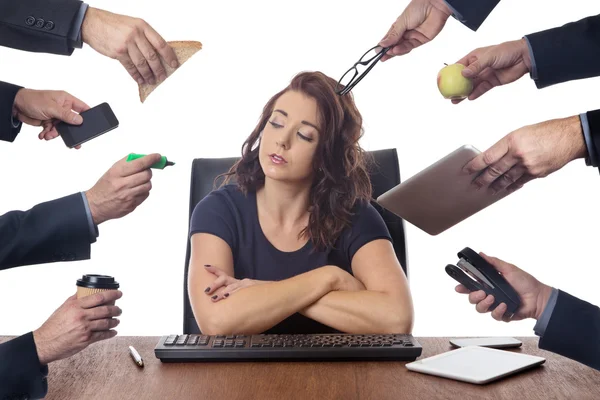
96, 121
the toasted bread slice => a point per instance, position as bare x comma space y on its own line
184, 50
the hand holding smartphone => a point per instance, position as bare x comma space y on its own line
96, 121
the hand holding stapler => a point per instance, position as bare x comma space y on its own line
475, 274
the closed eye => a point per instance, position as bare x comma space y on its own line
275, 124
305, 137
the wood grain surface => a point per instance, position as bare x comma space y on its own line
106, 371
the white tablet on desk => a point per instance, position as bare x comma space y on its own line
441, 195
475, 364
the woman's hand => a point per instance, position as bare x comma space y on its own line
224, 285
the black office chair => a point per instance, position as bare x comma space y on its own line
385, 174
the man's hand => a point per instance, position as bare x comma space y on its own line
419, 23
495, 66
76, 324
131, 41
121, 189
224, 285
534, 295
534, 151
46, 108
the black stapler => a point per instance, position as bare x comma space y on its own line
475, 273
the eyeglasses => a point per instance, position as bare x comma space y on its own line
352, 76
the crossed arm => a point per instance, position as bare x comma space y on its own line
376, 300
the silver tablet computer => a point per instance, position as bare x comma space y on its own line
441, 195
475, 364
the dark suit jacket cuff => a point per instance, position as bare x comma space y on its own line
8, 92
573, 330
23, 374
472, 13
593, 122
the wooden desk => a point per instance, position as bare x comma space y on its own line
106, 371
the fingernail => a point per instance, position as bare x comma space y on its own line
467, 72
77, 119
140, 81
207, 290
174, 64
214, 297
162, 77
226, 295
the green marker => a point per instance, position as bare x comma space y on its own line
159, 165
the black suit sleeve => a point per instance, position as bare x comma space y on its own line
473, 12
566, 53
41, 26
54, 231
8, 93
574, 330
21, 375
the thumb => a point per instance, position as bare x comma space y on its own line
480, 63
501, 266
394, 35
65, 114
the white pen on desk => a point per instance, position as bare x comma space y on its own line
136, 356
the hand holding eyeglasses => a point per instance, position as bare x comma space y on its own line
419, 23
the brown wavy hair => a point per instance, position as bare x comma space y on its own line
341, 178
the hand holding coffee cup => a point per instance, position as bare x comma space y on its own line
85, 318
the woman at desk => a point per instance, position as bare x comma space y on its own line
294, 246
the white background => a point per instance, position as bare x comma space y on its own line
207, 109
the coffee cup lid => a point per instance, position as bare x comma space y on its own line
98, 282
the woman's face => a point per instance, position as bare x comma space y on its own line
289, 139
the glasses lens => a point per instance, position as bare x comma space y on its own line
348, 77
370, 55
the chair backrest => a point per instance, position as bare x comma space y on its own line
385, 174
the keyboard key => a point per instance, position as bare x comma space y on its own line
170, 340
181, 340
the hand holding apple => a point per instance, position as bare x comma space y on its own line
495, 66
452, 84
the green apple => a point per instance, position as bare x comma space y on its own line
452, 84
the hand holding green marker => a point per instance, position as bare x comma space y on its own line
159, 165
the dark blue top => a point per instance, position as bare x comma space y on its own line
229, 214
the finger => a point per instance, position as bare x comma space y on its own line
51, 134
456, 101
469, 58
395, 33
484, 305
218, 283
508, 178
495, 171
141, 63
104, 324
78, 147
476, 297
520, 182
483, 60
214, 270
218, 295
462, 289
502, 266
102, 312
128, 168
480, 89
138, 179
141, 192
499, 311
65, 114
132, 69
161, 46
102, 335
97, 299
78, 105
487, 158
152, 57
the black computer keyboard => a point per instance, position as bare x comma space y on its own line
298, 347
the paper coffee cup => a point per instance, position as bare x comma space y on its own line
90, 284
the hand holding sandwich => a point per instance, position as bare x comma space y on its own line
132, 41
